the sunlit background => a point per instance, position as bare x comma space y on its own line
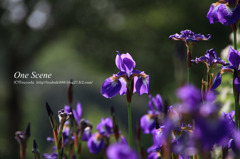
78, 39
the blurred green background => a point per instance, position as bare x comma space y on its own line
78, 39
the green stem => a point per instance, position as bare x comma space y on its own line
130, 124
188, 79
235, 39
189, 57
235, 92
59, 145
236, 96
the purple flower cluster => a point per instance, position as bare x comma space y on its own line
69, 136
100, 140
190, 127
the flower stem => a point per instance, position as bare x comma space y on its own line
188, 79
236, 96
234, 28
235, 92
189, 57
129, 124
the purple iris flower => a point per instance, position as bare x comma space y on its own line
121, 151
161, 134
105, 127
119, 83
211, 131
233, 67
96, 143
210, 59
226, 12
190, 97
185, 145
189, 37
148, 121
228, 117
77, 114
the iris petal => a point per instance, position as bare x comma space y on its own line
234, 57
142, 85
217, 81
111, 87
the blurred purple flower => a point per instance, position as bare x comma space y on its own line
228, 117
190, 97
226, 12
157, 101
53, 155
105, 127
120, 151
211, 131
117, 84
189, 37
185, 145
87, 132
210, 59
161, 134
148, 121
96, 143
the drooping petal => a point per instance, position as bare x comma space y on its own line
147, 123
217, 81
111, 87
237, 83
234, 58
223, 13
95, 143
123, 89
142, 85
86, 133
